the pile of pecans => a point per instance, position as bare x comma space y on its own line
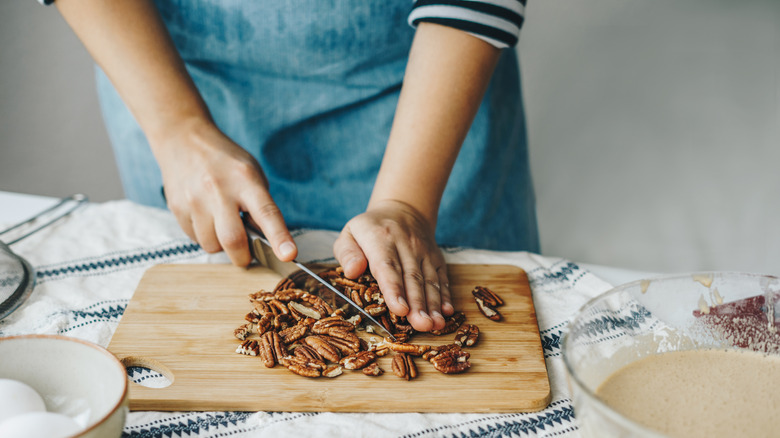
299, 330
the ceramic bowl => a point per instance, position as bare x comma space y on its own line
695, 311
74, 377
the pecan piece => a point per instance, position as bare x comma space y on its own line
332, 371
278, 307
487, 296
413, 349
451, 361
296, 307
282, 321
261, 296
317, 303
271, 348
451, 323
294, 333
243, 331
248, 347
347, 342
264, 324
376, 309
324, 348
468, 335
373, 370
262, 308
489, 311
404, 367
358, 360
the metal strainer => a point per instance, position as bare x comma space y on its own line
17, 276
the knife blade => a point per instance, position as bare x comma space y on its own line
263, 252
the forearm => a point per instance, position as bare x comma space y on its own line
446, 77
129, 41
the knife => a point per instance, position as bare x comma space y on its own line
262, 251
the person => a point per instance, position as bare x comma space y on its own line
399, 123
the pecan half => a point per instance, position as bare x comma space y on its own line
306, 352
264, 324
404, 367
413, 349
373, 370
451, 361
243, 331
302, 367
262, 308
358, 360
467, 334
488, 296
294, 333
317, 303
428, 355
282, 321
489, 311
376, 309
347, 342
261, 296
271, 348
324, 348
284, 284
278, 307
451, 323
248, 347
325, 325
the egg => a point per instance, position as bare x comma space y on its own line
18, 398
39, 425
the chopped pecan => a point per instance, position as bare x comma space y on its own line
468, 335
489, 311
355, 296
404, 367
248, 347
243, 331
451, 323
373, 295
324, 348
451, 361
262, 307
487, 296
413, 349
296, 307
402, 337
373, 370
340, 312
332, 371
355, 320
282, 321
294, 333
376, 309
357, 360
271, 348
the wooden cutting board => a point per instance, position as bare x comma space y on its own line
180, 323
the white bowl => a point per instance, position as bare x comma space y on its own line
75, 378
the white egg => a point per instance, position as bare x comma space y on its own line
18, 398
39, 425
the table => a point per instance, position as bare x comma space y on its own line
89, 264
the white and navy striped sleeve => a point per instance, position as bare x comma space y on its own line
497, 22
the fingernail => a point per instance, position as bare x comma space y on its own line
287, 249
402, 302
436, 314
424, 315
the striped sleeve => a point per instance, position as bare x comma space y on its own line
497, 22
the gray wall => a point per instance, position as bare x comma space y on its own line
654, 126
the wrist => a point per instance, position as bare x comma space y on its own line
424, 214
190, 130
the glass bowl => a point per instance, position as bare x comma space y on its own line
708, 310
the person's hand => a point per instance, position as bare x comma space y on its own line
209, 180
399, 245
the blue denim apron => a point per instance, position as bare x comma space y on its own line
309, 87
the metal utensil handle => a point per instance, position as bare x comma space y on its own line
78, 198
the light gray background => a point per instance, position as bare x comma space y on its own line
654, 126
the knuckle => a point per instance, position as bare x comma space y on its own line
414, 276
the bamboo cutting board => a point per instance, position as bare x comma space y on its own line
180, 323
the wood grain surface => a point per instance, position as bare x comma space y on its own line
181, 318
